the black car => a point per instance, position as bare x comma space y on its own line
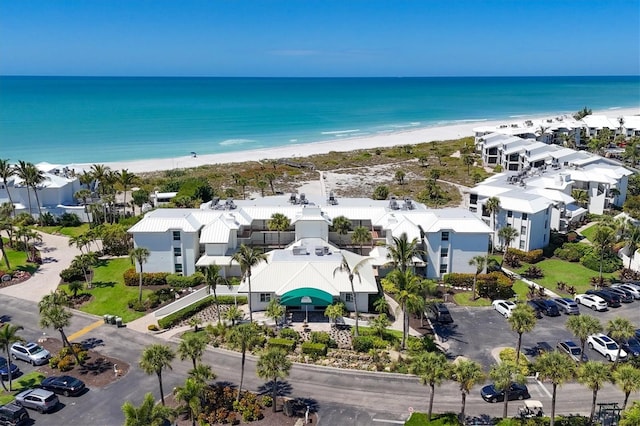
547, 307
631, 346
613, 300
491, 394
625, 297
65, 385
440, 313
533, 305
13, 414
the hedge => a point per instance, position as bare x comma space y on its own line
314, 349
457, 279
366, 343
132, 278
174, 318
231, 300
532, 256
180, 281
286, 344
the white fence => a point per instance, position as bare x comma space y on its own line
192, 298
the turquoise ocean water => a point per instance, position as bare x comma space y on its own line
103, 119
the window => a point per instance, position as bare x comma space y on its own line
265, 297
523, 230
444, 252
176, 235
178, 268
522, 245
177, 251
473, 199
524, 216
444, 268
348, 297
445, 236
509, 213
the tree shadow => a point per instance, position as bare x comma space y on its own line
103, 284
95, 367
91, 343
297, 407
225, 384
283, 388
5, 318
448, 332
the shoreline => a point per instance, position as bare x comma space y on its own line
385, 140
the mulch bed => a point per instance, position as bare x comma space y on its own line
97, 371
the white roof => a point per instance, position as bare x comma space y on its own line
632, 122
600, 121
163, 220
523, 201
206, 260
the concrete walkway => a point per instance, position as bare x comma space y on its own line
56, 256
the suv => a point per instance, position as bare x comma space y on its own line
38, 399
630, 288
547, 307
30, 352
504, 307
607, 347
567, 305
570, 348
613, 300
592, 301
439, 312
624, 295
13, 414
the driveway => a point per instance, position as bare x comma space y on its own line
56, 256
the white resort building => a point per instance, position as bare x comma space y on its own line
303, 261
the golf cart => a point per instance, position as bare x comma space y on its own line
530, 408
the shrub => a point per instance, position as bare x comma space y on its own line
66, 363
533, 272
248, 407
231, 300
132, 278
320, 337
71, 274
69, 220
509, 355
267, 401
137, 305
54, 361
289, 333
571, 252
363, 343
418, 345
183, 313
610, 262
532, 256
180, 281
456, 279
314, 349
153, 327
287, 344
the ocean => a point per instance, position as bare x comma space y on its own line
107, 119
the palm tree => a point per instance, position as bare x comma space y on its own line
248, 257
270, 177
493, 207
54, 313
593, 375
140, 255
243, 182
632, 240
620, 329
190, 395
627, 378
278, 222
156, 358
126, 180
32, 177
233, 314
273, 364
86, 262
341, 225
148, 414
603, 238
507, 235
202, 373
212, 278
8, 336
400, 175
557, 369
522, 320
192, 346
432, 368
275, 310
581, 196
631, 417
479, 262
402, 251
4, 253
467, 373
407, 289
243, 337
6, 172
361, 235
582, 326
352, 268
503, 375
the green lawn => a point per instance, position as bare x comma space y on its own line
464, 299
72, 231
419, 419
521, 289
25, 381
17, 260
572, 273
110, 295
589, 232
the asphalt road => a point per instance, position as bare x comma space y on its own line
339, 396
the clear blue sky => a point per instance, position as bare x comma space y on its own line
320, 38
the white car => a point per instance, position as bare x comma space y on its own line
592, 301
629, 288
504, 307
606, 346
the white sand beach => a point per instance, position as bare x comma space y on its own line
428, 134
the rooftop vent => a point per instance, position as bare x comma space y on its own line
229, 204
408, 203
293, 199
393, 203
332, 199
303, 199
300, 251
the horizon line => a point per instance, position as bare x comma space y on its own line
317, 77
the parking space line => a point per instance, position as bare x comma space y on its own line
543, 387
85, 330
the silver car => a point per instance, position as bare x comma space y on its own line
38, 399
30, 352
567, 305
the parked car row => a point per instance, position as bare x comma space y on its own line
548, 307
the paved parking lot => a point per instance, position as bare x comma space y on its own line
477, 331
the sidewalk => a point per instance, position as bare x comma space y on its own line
56, 256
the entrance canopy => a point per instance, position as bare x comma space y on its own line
311, 296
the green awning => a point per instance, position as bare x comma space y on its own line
295, 297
